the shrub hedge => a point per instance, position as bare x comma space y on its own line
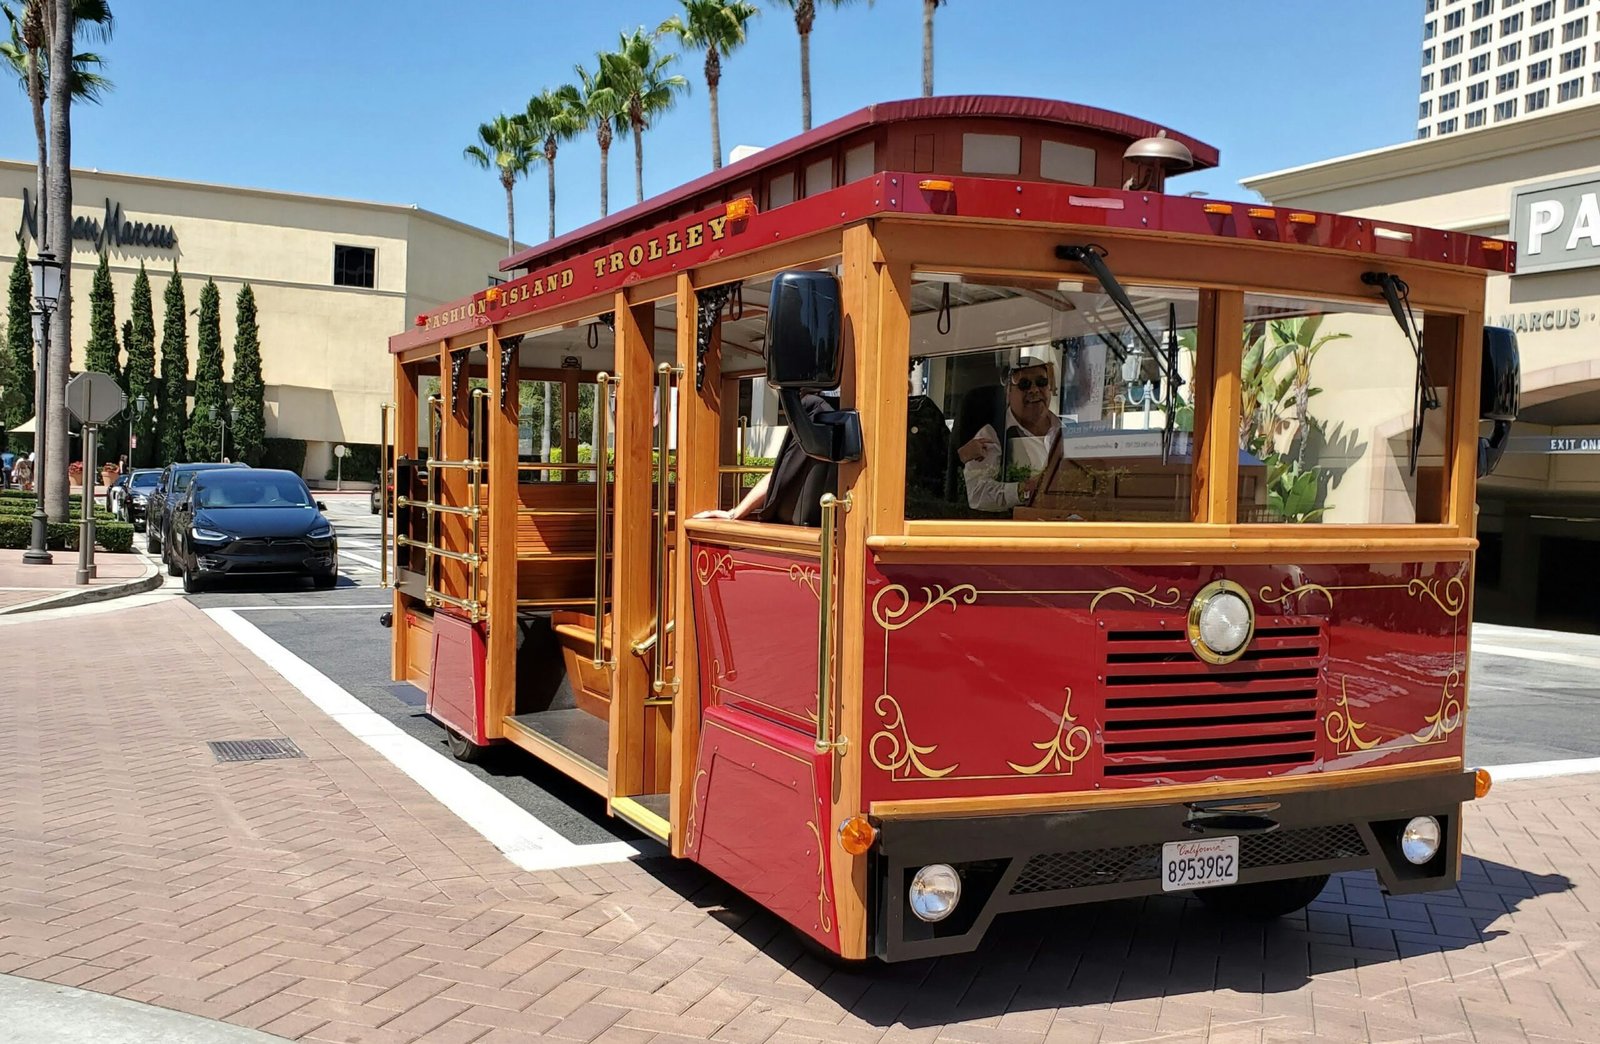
287, 454
360, 464
17, 529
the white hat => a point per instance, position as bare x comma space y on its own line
1031, 355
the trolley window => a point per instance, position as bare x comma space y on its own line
1034, 400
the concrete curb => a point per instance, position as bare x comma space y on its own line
151, 580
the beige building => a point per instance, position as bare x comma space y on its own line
333, 279
1536, 181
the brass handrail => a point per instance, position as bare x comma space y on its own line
744, 439
742, 469
664, 375
480, 421
533, 465
602, 405
430, 519
469, 465
428, 506
825, 739
441, 552
385, 463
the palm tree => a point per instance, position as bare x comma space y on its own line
805, 16
639, 73
26, 54
554, 116
718, 26
505, 146
928, 7
603, 110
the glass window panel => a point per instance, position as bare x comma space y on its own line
1326, 411
1032, 400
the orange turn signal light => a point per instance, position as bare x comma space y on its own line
936, 185
857, 835
1494, 244
1262, 212
741, 209
1298, 218
1218, 208
1481, 783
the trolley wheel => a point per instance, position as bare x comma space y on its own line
463, 749
1263, 900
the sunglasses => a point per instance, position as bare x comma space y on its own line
1025, 383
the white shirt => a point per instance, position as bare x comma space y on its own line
987, 488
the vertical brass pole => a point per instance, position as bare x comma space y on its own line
602, 414
384, 464
664, 374
825, 740
429, 559
478, 424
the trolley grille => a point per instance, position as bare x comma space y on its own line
1058, 871
1171, 715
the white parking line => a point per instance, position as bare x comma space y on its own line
524, 839
374, 563
1545, 769
1572, 659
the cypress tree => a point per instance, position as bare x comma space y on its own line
16, 355
141, 376
205, 431
100, 354
249, 393
172, 417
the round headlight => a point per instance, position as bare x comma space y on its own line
1419, 841
1221, 622
935, 890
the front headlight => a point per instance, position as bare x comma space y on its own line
322, 532
209, 536
935, 890
1221, 622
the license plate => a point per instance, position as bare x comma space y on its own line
1203, 863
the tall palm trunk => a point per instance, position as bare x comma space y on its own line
638, 161
603, 136
550, 168
805, 81
60, 228
511, 218
714, 77
928, 7
36, 41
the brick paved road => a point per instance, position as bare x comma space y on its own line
330, 899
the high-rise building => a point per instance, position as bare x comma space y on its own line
1488, 61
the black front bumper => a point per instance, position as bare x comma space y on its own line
307, 558
1051, 859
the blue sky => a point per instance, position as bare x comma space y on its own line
375, 99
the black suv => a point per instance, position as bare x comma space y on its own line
141, 484
175, 479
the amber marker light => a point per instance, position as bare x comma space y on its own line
856, 835
1262, 212
936, 185
1218, 208
1302, 219
741, 209
1481, 783
1494, 244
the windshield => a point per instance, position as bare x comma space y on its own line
144, 481
255, 491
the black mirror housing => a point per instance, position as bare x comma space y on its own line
1499, 394
321, 506
803, 332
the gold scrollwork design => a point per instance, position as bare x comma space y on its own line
1447, 718
811, 576
1066, 748
1173, 597
891, 747
894, 618
1286, 593
694, 807
1452, 601
823, 919
707, 566
1343, 730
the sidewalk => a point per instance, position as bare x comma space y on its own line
21, 583
328, 898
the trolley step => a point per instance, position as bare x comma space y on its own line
648, 812
571, 740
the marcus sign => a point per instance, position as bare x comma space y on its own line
1557, 225
113, 230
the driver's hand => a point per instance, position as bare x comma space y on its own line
977, 449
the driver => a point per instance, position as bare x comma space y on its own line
1001, 475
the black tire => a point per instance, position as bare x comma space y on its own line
152, 542
325, 581
173, 568
1263, 900
193, 582
463, 749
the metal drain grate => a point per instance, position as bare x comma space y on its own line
254, 749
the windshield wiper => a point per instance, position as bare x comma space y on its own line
1092, 256
1425, 397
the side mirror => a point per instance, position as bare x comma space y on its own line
804, 320
1499, 392
321, 506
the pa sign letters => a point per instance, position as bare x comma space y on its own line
1557, 225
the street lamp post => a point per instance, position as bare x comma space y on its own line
46, 294
230, 416
141, 405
